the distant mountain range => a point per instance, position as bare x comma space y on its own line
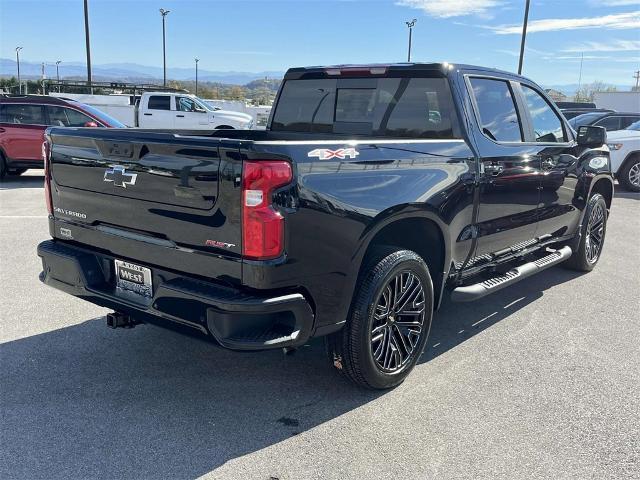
129, 72
133, 72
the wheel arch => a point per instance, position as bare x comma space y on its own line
423, 234
603, 186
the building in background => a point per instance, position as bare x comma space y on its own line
618, 101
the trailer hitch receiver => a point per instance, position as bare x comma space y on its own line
120, 320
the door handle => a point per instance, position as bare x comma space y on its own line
2, 130
548, 164
493, 168
181, 116
148, 114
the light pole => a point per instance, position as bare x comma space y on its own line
18, 64
410, 24
197, 60
87, 43
58, 73
164, 13
524, 36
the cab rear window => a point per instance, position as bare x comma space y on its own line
390, 107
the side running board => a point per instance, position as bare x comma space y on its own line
478, 290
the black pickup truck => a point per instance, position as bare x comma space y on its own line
374, 191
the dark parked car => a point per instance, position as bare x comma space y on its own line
570, 113
23, 120
609, 120
374, 191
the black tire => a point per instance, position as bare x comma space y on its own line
355, 351
226, 127
594, 228
17, 171
629, 174
3, 167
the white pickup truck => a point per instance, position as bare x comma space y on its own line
181, 111
165, 110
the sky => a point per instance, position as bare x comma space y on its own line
272, 35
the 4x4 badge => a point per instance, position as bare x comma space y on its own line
341, 153
120, 177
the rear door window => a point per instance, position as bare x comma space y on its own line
22, 114
392, 107
67, 117
547, 126
159, 102
497, 109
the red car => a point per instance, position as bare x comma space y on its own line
23, 120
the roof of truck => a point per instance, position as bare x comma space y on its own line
444, 67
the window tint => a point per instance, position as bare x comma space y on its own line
22, 114
306, 106
547, 125
626, 121
497, 109
67, 117
395, 107
609, 123
160, 102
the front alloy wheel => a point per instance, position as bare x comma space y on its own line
588, 244
595, 233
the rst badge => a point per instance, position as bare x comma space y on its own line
119, 176
327, 154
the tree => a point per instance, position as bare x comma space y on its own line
588, 91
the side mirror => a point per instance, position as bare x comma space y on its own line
591, 136
91, 124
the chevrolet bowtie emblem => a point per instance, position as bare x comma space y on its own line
120, 177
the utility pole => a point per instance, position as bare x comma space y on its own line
524, 36
87, 43
58, 74
18, 65
636, 75
410, 24
43, 76
580, 77
197, 60
164, 13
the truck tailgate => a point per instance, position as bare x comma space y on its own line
150, 197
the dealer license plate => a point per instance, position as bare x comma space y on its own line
133, 278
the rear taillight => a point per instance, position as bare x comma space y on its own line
47, 177
262, 225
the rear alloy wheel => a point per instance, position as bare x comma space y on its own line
398, 322
389, 322
630, 174
588, 249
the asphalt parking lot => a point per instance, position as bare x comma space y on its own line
539, 381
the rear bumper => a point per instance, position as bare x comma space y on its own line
237, 319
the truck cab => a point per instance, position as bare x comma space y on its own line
183, 111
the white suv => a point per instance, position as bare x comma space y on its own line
625, 156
